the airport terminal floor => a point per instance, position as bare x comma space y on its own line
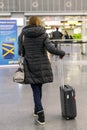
16, 100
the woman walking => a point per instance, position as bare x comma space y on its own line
33, 45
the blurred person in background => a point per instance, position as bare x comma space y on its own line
57, 35
66, 35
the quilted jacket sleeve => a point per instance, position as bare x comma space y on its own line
52, 49
21, 50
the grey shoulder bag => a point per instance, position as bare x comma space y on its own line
18, 76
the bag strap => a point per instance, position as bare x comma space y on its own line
20, 60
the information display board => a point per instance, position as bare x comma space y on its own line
8, 42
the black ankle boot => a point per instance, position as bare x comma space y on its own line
41, 118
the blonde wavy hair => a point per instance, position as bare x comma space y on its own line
35, 20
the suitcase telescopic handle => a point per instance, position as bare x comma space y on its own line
61, 64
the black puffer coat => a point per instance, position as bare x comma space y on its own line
34, 48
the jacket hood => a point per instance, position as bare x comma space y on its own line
33, 31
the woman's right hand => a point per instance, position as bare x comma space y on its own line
62, 54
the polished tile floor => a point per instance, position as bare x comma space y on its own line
16, 102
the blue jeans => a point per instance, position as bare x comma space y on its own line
37, 95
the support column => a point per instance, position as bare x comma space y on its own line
84, 36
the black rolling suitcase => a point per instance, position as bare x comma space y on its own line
68, 100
